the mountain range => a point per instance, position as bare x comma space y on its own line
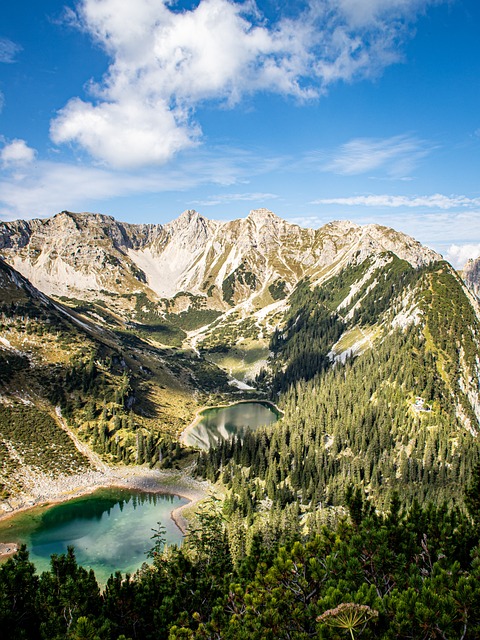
126, 330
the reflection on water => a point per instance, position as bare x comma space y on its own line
111, 529
226, 422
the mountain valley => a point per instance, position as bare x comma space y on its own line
125, 331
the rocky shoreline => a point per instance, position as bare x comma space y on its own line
44, 490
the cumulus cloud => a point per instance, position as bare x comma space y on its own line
165, 61
459, 254
16, 152
396, 156
8, 50
123, 134
436, 201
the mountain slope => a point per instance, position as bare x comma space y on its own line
225, 262
119, 393
471, 275
378, 372
220, 286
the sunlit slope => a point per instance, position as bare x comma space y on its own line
120, 393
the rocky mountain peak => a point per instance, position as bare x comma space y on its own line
262, 215
471, 275
190, 227
88, 253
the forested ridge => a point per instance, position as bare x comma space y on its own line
388, 419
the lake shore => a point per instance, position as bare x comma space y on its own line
45, 490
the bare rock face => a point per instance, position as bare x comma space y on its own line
471, 276
229, 263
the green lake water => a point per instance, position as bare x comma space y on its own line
225, 422
110, 529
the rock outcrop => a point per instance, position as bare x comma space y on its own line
471, 276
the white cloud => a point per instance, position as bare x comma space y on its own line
459, 254
436, 201
166, 61
16, 152
8, 50
129, 133
396, 156
359, 12
234, 197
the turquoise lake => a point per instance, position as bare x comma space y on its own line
225, 422
110, 529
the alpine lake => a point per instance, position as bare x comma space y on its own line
111, 529
218, 423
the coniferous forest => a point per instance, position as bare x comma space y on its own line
403, 574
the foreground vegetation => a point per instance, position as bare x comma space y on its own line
402, 574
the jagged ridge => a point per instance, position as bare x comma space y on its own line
226, 262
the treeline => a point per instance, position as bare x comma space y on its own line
399, 574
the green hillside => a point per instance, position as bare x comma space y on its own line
397, 417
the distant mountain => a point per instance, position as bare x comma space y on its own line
227, 263
471, 275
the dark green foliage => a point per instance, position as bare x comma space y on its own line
417, 569
241, 276
301, 348
65, 593
10, 364
18, 590
472, 497
151, 323
138, 273
193, 318
39, 441
227, 335
357, 423
278, 289
196, 314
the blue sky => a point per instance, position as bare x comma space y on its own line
367, 110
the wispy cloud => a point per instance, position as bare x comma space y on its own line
47, 187
396, 156
8, 50
435, 201
226, 198
166, 62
